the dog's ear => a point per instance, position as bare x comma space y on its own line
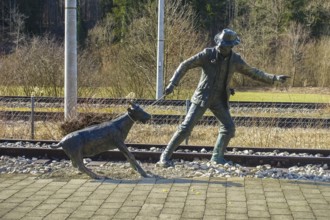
131, 102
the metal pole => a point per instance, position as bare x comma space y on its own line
187, 109
70, 63
32, 117
160, 50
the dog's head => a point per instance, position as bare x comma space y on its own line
137, 113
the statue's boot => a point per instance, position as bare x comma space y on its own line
176, 140
220, 148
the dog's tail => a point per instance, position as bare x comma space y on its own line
58, 145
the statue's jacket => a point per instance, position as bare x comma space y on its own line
210, 64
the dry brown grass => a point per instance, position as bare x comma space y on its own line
245, 136
201, 135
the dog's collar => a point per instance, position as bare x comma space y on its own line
130, 117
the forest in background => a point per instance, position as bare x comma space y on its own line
118, 42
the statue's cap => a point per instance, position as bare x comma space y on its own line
227, 38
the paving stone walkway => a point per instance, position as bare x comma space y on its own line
27, 197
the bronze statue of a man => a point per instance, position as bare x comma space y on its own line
218, 65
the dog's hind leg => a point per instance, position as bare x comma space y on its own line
78, 161
131, 159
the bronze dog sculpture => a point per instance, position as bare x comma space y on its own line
99, 138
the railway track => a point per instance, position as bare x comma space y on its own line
113, 101
277, 157
283, 122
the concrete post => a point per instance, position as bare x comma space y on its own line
70, 63
160, 50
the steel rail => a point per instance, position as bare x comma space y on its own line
115, 155
282, 122
115, 101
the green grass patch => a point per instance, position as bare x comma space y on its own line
280, 97
306, 95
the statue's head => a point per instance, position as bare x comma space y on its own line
226, 40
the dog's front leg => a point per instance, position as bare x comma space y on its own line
131, 159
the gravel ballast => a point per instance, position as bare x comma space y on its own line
46, 168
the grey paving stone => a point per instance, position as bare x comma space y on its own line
274, 194
88, 208
5, 194
319, 206
130, 209
277, 205
215, 194
155, 200
54, 201
215, 212
322, 213
232, 198
232, 216
195, 202
9, 205
261, 218
93, 202
258, 214
14, 200
281, 217
48, 206
237, 210
37, 198
167, 217
255, 197
101, 217
221, 206
150, 210
134, 203
254, 190
81, 214
255, 207
192, 215
24, 209
177, 194
39, 213
303, 208
13, 215
276, 199
68, 204
175, 199
104, 211
174, 204
297, 202
212, 200
4, 211
76, 198
303, 215
208, 217
62, 210
316, 201
193, 208
172, 211
277, 211
125, 215
32, 218
236, 204
256, 202
56, 216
